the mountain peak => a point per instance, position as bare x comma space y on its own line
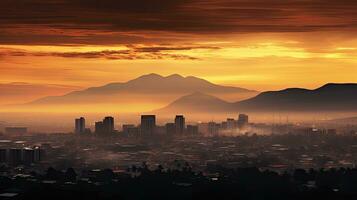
174, 76
149, 85
194, 78
151, 75
147, 77
198, 102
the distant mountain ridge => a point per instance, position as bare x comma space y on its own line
196, 102
330, 97
150, 85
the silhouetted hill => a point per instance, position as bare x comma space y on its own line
330, 97
196, 102
149, 85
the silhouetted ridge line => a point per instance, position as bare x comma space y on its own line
150, 85
330, 97
196, 102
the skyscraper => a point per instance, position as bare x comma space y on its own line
105, 127
180, 124
148, 124
80, 125
108, 125
213, 129
28, 156
231, 123
242, 120
99, 127
38, 154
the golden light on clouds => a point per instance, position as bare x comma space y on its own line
261, 45
256, 65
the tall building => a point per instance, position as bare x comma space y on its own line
39, 154
242, 120
108, 125
105, 127
99, 127
213, 129
180, 124
231, 124
148, 124
17, 156
28, 156
80, 125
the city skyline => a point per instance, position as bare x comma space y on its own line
178, 99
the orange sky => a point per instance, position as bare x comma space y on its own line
261, 45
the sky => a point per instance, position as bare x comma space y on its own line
55, 46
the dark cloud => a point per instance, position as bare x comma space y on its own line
118, 55
109, 21
155, 49
132, 53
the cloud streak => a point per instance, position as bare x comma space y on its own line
133, 52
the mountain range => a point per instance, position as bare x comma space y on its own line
330, 97
146, 88
191, 94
